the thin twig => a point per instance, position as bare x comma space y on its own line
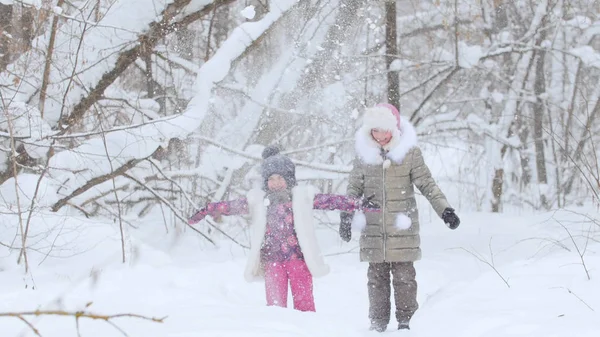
316, 166
413, 117
114, 184
81, 314
168, 204
579, 252
35, 194
224, 233
77, 315
194, 204
350, 251
117, 328
491, 265
316, 147
115, 129
77, 326
35, 331
13, 155
579, 298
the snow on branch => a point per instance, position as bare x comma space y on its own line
95, 182
127, 147
144, 42
217, 68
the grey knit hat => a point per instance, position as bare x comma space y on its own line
276, 163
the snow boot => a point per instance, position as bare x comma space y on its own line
378, 326
403, 326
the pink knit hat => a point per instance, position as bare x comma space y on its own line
382, 116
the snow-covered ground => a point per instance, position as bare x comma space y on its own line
203, 293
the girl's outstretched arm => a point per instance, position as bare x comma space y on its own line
342, 203
233, 207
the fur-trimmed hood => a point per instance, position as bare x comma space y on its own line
403, 140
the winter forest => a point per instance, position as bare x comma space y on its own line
121, 118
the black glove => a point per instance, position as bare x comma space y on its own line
450, 218
369, 203
346, 226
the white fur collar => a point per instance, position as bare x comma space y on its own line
402, 142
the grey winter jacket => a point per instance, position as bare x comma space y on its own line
392, 181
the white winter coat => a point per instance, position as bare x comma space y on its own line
302, 208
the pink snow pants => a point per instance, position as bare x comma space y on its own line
277, 275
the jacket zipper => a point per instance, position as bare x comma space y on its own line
383, 208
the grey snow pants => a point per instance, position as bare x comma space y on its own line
405, 291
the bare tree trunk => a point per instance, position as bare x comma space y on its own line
518, 125
578, 153
24, 32
186, 40
498, 21
149, 77
6, 13
522, 130
497, 186
391, 50
557, 177
48, 64
209, 35
568, 125
501, 20
222, 25
97, 11
538, 119
514, 128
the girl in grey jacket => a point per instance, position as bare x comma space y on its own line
388, 165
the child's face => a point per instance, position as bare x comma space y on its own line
276, 183
382, 137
